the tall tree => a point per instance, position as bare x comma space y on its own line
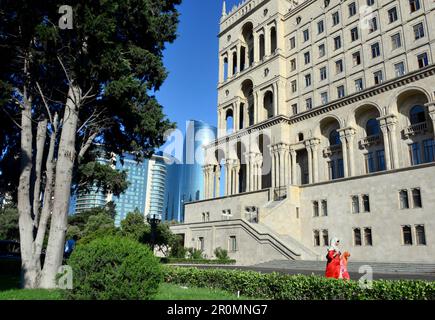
62, 90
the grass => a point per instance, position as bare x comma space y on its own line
176, 292
9, 291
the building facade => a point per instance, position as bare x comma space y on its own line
326, 116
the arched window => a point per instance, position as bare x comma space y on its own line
229, 121
301, 136
268, 104
334, 138
225, 68
273, 40
417, 115
372, 127
262, 46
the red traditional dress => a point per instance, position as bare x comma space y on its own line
333, 264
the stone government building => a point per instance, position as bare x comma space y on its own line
326, 116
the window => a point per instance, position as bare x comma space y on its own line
423, 60
325, 237
308, 80
307, 57
354, 34
340, 92
324, 97
370, 2
293, 65
380, 160
201, 243
337, 42
420, 235
315, 208
376, 50
339, 66
366, 202
404, 201
300, 136
322, 50
414, 5
357, 236
407, 235
309, 103
414, 150
355, 204
203, 217
399, 68
373, 25
396, 40
316, 234
356, 58
417, 115
429, 150
359, 84
320, 27
352, 9
368, 237
370, 162
323, 73
295, 109
379, 77
335, 18
392, 15
292, 43
326, 2
233, 244
324, 208
306, 34
294, 86
418, 31
416, 198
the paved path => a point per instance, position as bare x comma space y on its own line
353, 275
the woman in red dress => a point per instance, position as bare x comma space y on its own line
333, 259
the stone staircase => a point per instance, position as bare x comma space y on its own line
353, 266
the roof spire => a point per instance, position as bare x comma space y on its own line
224, 9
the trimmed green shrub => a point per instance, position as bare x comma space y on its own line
114, 268
195, 254
298, 287
221, 254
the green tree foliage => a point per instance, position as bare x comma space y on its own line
221, 254
61, 90
114, 268
134, 227
9, 224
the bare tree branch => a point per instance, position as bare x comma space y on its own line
45, 103
41, 134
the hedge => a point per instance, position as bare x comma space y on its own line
277, 286
197, 261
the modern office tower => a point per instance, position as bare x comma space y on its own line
135, 195
155, 192
326, 116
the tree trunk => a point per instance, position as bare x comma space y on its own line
30, 270
62, 188
41, 134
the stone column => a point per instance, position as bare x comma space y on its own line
350, 134
310, 161
275, 99
431, 110
227, 178
221, 69
217, 182
236, 116
388, 125
259, 170
384, 129
204, 172
248, 173
273, 166
315, 149
239, 57
257, 117
236, 177
256, 40
245, 114
267, 41
393, 140
293, 166
344, 152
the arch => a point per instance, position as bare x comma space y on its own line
403, 93
268, 104
273, 40
325, 121
364, 114
247, 92
247, 33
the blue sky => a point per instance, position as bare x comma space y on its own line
190, 91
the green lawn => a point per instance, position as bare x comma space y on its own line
9, 291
